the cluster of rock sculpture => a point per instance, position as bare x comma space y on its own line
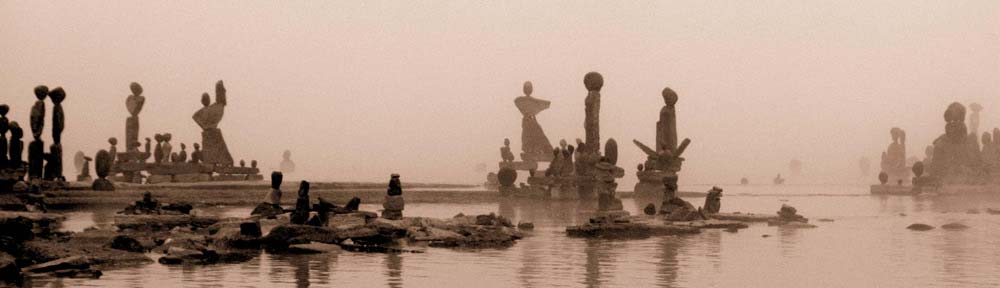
959, 156
581, 171
41, 169
210, 160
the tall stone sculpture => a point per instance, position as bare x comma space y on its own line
196, 154
535, 145
951, 151
287, 166
113, 150
664, 159
666, 128
36, 149
158, 151
592, 122
134, 105
54, 167
4, 126
214, 146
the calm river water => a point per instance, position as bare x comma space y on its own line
867, 245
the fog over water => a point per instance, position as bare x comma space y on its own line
358, 90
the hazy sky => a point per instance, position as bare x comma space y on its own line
361, 89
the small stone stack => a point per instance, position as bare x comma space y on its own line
393, 205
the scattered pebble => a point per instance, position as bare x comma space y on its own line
920, 227
954, 226
824, 220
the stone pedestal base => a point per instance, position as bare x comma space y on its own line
102, 185
84, 178
255, 177
185, 178
229, 177
392, 214
157, 179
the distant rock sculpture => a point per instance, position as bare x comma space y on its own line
393, 204
183, 155
134, 104
534, 144
167, 148
778, 180
789, 214
744, 181
208, 117
84, 170
505, 154
113, 150
882, 178
158, 154
103, 166
670, 192
974, 117
287, 166
301, 213
713, 201
953, 161
196, 154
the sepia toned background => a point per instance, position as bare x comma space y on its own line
358, 90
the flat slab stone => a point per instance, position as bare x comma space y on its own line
632, 230
713, 224
519, 165
745, 217
313, 248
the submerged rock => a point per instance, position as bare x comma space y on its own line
162, 222
122, 242
920, 227
525, 226
9, 271
954, 226
313, 248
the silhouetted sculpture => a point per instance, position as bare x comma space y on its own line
952, 159
253, 164
534, 144
713, 201
882, 177
134, 103
113, 150
149, 151
208, 117
894, 159
744, 181
393, 204
4, 126
592, 123
103, 164
167, 148
666, 128
36, 149
778, 180
287, 166
196, 154
158, 154
53, 166
505, 154
271, 206
183, 155
85, 172
301, 213
16, 147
